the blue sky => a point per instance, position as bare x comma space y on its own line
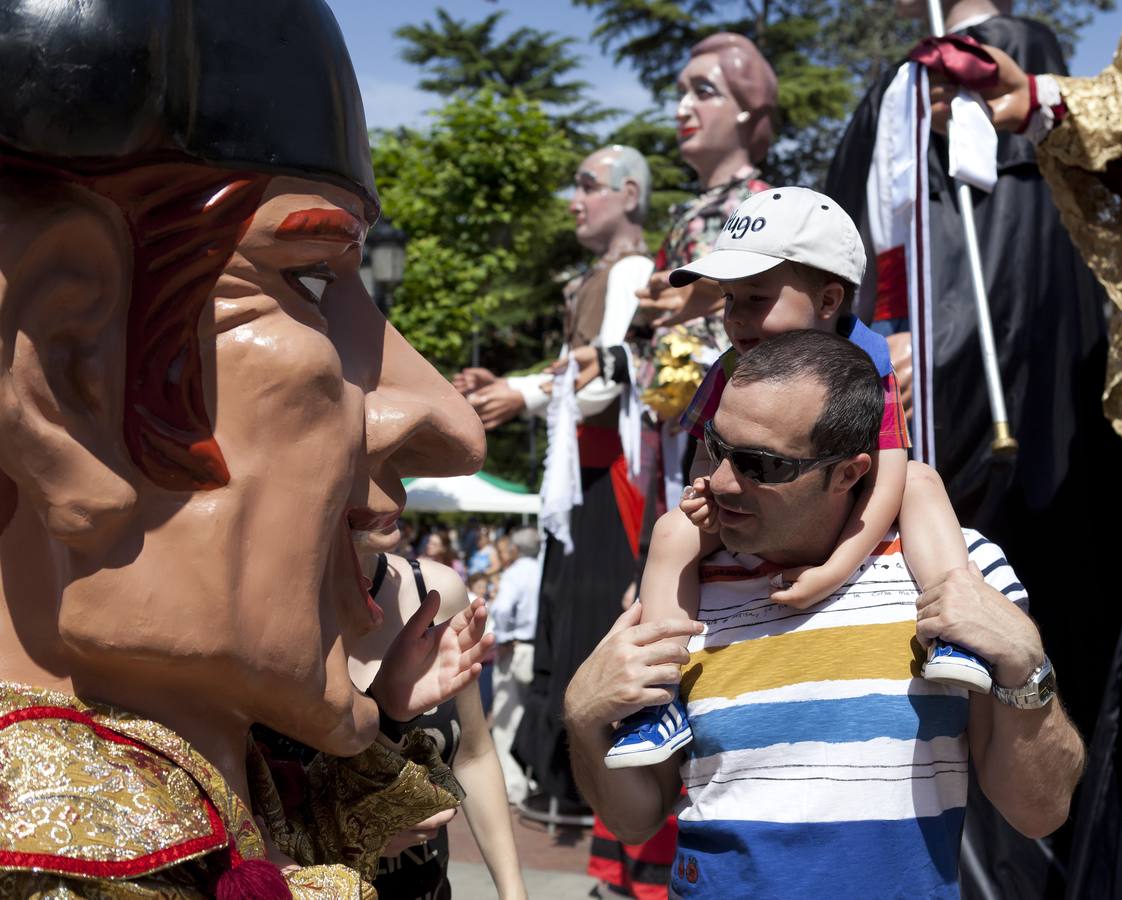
389, 85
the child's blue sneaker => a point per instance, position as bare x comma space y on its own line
649, 736
950, 664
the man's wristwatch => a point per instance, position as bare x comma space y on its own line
1034, 693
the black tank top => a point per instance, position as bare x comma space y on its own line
420, 872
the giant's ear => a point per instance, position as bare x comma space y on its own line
65, 262
631, 199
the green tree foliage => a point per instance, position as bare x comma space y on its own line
825, 52
476, 193
463, 57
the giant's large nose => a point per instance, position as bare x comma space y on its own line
416, 422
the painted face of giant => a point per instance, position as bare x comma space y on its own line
602, 200
707, 112
238, 597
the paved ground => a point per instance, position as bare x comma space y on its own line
553, 867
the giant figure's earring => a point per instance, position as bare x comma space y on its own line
743, 116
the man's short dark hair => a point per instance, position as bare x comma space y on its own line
851, 416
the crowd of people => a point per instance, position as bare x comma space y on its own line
764, 651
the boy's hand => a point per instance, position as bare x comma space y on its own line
697, 503
804, 586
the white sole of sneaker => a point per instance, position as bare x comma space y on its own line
968, 677
648, 757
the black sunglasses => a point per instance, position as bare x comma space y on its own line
760, 465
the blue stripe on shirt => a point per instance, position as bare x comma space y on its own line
754, 725
863, 860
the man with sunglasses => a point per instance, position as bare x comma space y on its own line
822, 763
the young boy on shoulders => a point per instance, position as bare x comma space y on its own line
790, 258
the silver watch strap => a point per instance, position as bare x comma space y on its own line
1035, 693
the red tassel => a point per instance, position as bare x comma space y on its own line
253, 879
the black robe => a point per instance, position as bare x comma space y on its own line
1047, 312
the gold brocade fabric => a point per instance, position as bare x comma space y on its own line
678, 374
1082, 162
373, 796
99, 804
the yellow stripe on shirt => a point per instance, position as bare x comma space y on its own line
888, 651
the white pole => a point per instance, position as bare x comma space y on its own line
1004, 444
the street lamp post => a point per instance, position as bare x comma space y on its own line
383, 262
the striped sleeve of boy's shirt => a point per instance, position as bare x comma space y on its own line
821, 760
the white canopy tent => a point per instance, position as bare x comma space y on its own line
470, 493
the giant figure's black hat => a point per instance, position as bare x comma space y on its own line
266, 85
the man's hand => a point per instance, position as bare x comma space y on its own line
664, 305
961, 608
588, 363
900, 350
419, 833
426, 665
1008, 100
472, 379
624, 673
497, 403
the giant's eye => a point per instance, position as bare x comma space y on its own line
310, 282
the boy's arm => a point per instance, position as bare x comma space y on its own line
876, 509
670, 587
930, 534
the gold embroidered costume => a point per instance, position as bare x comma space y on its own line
96, 803
1080, 160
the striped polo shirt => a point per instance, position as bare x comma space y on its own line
822, 764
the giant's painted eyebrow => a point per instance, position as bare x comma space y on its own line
322, 225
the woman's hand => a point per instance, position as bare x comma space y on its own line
428, 664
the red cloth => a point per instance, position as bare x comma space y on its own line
961, 59
643, 870
892, 285
600, 448
629, 501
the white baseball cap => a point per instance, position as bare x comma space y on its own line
784, 223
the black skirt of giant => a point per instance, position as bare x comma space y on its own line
1044, 510
579, 601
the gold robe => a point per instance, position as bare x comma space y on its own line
99, 804
1080, 159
